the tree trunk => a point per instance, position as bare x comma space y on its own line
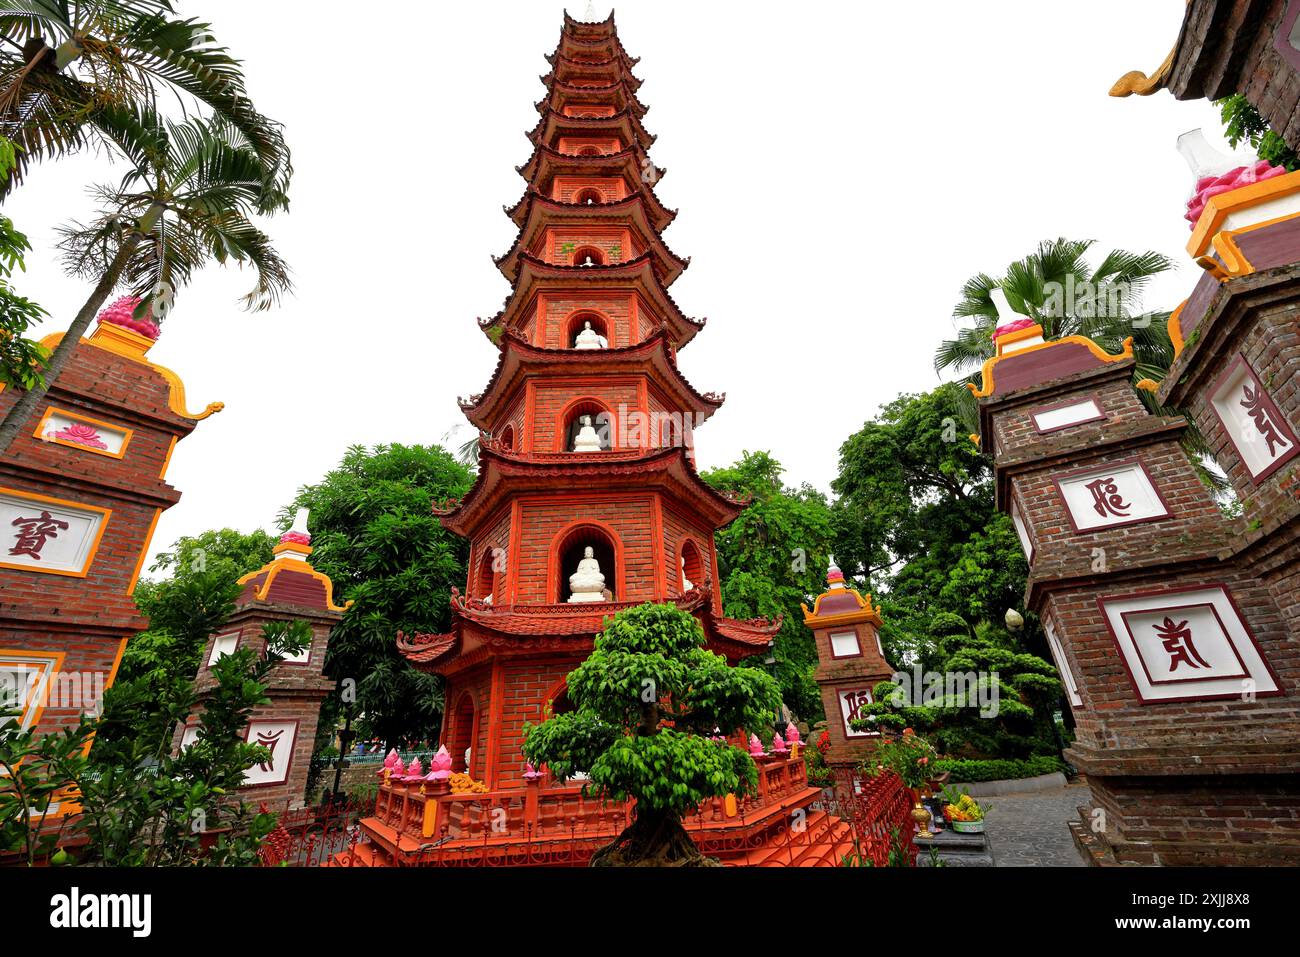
653, 839
21, 413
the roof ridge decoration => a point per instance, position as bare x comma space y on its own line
634, 202
629, 267
132, 345
291, 556
661, 337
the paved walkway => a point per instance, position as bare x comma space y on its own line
1029, 830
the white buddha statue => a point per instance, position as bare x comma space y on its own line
687, 584
588, 582
589, 338
586, 440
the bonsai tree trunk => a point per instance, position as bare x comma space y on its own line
21, 411
653, 839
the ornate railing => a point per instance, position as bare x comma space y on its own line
859, 820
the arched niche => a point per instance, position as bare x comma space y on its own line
462, 734
692, 566
570, 425
574, 325
569, 549
588, 256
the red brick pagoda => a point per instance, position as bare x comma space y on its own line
587, 499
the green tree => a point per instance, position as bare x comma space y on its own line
184, 610
186, 200
915, 521
20, 358
647, 702
1242, 123
141, 804
772, 558
374, 534
66, 67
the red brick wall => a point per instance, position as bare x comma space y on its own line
542, 522
88, 618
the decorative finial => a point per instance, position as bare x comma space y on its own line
120, 312
297, 533
1218, 172
834, 577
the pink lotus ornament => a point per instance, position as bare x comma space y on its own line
392, 758
792, 734
756, 747
440, 766
1207, 187
80, 434
414, 770
119, 313
778, 746
530, 772
399, 770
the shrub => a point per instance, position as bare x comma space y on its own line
998, 769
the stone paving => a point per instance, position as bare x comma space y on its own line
1029, 830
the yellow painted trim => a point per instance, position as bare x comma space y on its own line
430, 816
295, 547
121, 429
975, 439
56, 665
1006, 339
127, 344
1218, 208
1137, 82
1148, 385
94, 548
294, 565
144, 552
987, 372
167, 459
864, 612
1175, 329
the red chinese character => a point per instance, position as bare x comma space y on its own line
855, 700
1106, 498
1177, 640
1253, 403
34, 532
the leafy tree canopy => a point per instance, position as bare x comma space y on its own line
375, 535
772, 558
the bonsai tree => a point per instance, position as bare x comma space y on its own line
651, 707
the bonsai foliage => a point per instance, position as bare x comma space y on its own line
649, 705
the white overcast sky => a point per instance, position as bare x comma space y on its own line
841, 169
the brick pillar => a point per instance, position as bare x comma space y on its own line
1178, 663
287, 589
81, 491
851, 662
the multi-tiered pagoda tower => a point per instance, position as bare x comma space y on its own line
587, 498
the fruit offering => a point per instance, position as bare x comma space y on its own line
965, 809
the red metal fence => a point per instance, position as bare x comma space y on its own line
858, 821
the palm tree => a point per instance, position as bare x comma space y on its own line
63, 63
185, 201
1056, 287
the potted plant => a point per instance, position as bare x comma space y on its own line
910, 756
963, 812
